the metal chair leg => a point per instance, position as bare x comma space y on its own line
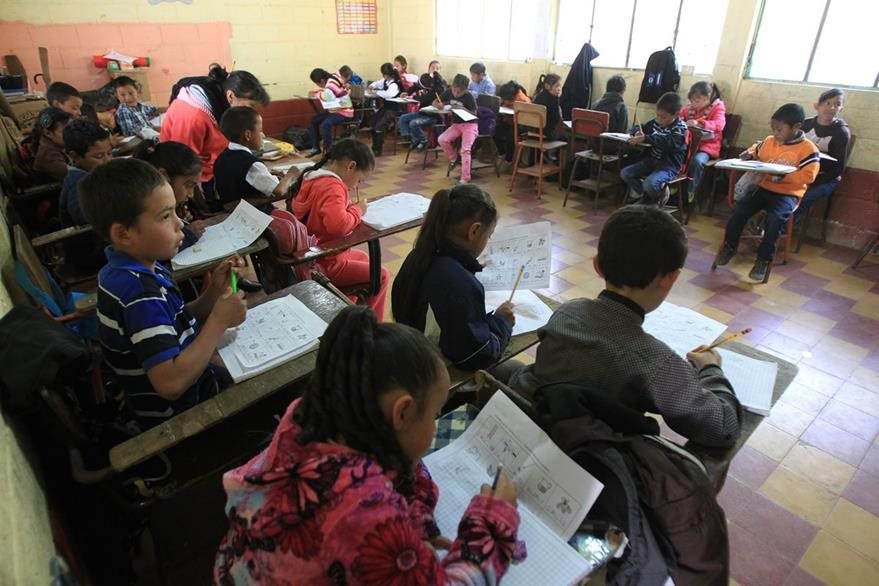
571, 180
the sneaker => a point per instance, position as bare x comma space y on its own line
421, 146
725, 255
758, 272
664, 196
312, 153
463, 181
452, 165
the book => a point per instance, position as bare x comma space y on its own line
531, 312
239, 230
272, 333
555, 493
393, 210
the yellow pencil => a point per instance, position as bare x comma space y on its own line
726, 339
516, 284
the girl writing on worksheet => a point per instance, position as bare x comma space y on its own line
437, 288
389, 86
705, 111
322, 202
341, 495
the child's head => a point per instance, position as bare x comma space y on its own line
641, 250
65, 97
786, 122
50, 126
616, 83
667, 108
477, 72
345, 73
460, 83
433, 67
176, 162
348, 158
389, 73
550, 83
702, 94
241, 88
321, 76
243, 125
400, 64
829, 105
376, 387
87, 144
127, 90
130, 204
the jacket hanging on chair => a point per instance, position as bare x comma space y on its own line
577, 91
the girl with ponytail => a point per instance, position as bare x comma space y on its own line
341, 495
548, 93
706, 111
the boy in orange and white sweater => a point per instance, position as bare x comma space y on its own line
777, 194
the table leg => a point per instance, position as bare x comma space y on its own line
375, 266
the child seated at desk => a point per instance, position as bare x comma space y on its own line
777, 194
437, 288
160, 349
548, 93
331, 88
132, 115
613, 103
321, 200
412, 124
667, 138
45, 146
480, 82
600, 343
389, 86
341, 495
409, 80
509, 93
706, 111
459, 98
238, 174
65, 97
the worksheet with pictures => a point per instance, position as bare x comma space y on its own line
526, 248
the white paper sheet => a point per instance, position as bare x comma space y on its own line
463, 114
621, 136
156, 122
506, 111
753, 380
681, 328
433, 110
528, 245
554, 492
273, 333
531, 313
771, 168
239, 230
301, 165
120, 57
393, 210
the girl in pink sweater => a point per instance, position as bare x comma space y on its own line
707, 111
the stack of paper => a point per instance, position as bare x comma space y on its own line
554, 492
771, 168
753, 380
509, 249
531, 313
394, 210
273, 333
239, 230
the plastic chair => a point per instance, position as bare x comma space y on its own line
533, 116
588, 125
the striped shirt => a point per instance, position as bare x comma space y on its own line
143, 323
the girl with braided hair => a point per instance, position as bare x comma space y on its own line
341, 496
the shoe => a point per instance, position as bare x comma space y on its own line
312, 153
420, 146
452, 165
725, 255
664, 196
249, 286
632, 197
463, 181
758, 271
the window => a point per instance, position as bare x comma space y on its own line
513, 30
626, 32
822, 41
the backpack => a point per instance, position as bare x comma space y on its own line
660, 76
487, 121
298, 137
286, 235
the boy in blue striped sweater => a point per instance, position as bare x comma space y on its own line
159, 347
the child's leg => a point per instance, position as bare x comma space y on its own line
352, 268
326, 128
634, 174
417, 126
778, 210
696, 169
656, 181
405, 122
313, 128
468, 137
813, 194
447, 138
745, 208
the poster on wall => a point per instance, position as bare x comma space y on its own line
356, 17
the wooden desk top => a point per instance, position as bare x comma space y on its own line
360, 235
234, 399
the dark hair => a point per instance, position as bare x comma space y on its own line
432, 62
88, 112
47, 119
461, 81
670, 103
241, 83
174, 157
478, 67
830, 94
449, 209
548, 79
61, 92
344, 71
80, 135
509, 90
704, 88
388, 69
124, 80
318, 75
401, 60
358, 361
639, 243
616, 83
347, 149
114, 193
236, 120
790, 114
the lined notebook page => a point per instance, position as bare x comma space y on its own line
753, 380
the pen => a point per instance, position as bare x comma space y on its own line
726, 339
497, 476
233, 281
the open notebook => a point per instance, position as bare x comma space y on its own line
554, 492
237, 231
273, 333
393, 210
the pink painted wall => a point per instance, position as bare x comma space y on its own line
176, 50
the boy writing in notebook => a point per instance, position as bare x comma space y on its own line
600, 343
160, 348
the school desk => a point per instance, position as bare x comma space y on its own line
128, 145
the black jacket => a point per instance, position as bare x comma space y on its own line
577, 91
613, 104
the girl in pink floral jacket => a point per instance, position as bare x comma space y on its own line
340, 496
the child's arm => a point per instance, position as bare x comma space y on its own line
202, 306
671, 141
716, 120
392, 92
807, 171
338, 214
260, 178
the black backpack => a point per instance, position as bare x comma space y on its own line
660, 75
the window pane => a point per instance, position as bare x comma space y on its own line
447, 27
492, 30
699, 33
785, 39
529, 27
610, 35
654, 29
847, 52
573, 29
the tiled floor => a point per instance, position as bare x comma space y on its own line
802, 498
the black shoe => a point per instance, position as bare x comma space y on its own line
725, 255
452, 165
758, 272
249, 286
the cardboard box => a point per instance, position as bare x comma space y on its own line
138, 74
26, 110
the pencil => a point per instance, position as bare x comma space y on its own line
497, 476
233, 281
516, 284
726, 339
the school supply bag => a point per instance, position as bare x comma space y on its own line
298, 137
486, 121
660, 75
